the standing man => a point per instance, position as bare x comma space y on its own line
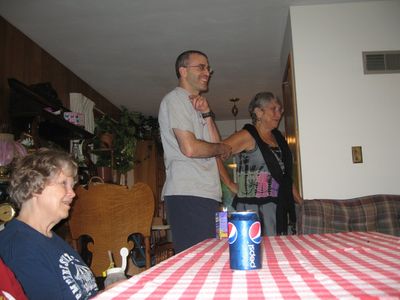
192, 190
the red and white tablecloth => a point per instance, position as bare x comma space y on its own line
362, 265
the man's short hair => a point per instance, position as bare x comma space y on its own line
183, 58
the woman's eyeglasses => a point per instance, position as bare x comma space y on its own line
276, 109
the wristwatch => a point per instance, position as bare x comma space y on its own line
208, 114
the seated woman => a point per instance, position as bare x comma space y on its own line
9, 285
47, 267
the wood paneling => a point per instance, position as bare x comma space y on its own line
2, 67
24, 60
149, 168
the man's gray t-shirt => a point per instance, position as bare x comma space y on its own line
186, 176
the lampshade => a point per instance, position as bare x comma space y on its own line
9, 149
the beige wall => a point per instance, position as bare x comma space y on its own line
226, 128
340, 107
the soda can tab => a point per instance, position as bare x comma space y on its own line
221, 224
244, 238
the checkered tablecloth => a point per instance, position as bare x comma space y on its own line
325, 266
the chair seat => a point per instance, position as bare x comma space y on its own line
162, 246
160, 227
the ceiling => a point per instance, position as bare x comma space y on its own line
126, 49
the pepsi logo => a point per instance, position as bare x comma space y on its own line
232, 233
255, 232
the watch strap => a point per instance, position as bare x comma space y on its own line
208, 114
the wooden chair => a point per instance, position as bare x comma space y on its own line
109, 213
163, 248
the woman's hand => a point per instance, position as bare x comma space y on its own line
296, 196
233, 187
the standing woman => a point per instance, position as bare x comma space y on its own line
265, 182
46, 266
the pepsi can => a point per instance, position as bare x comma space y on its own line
244, 240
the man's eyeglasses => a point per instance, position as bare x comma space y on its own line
202, 68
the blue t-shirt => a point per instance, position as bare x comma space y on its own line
47, 268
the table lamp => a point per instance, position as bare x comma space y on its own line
9, 149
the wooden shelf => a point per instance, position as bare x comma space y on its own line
29, 108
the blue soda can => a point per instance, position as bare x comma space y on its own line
244, 240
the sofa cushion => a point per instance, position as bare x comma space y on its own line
325, 216
370, 213
363, 214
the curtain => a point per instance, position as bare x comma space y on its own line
81, 104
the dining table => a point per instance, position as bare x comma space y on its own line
346, 265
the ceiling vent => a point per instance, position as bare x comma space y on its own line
381, 62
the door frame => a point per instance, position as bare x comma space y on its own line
291, 121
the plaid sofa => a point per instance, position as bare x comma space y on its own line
379, 213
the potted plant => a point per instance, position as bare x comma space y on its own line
149, 128
103, 143
130, 127
126, 137
105, 130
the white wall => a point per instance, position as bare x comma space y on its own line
340, 107
226, 128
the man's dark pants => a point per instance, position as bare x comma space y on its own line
192, 220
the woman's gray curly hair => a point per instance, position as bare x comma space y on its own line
260, 100
32, 173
